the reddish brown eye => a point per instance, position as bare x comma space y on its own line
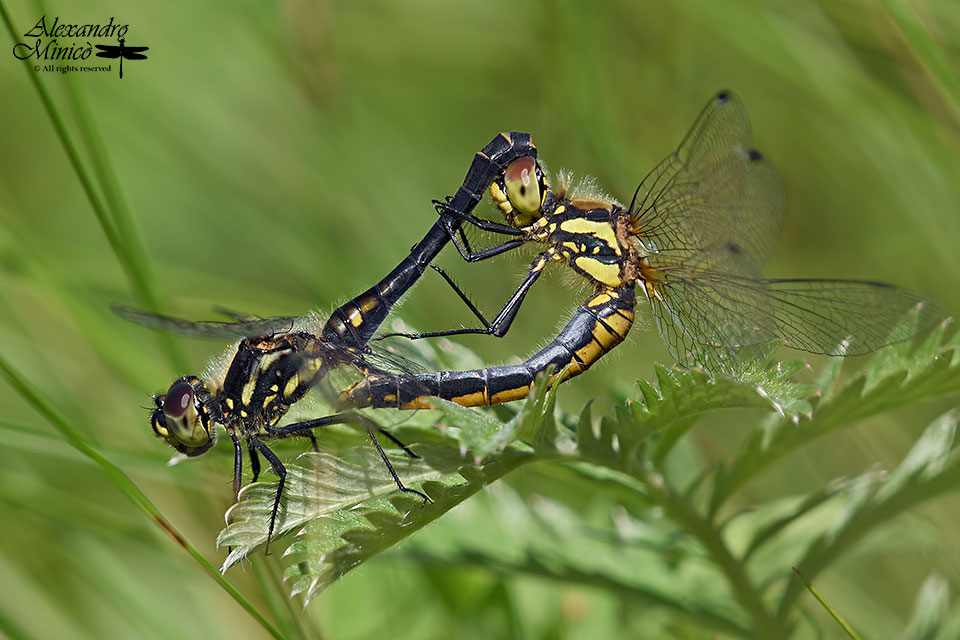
523, 188
178, 400
521, 169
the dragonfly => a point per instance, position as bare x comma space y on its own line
698, 229
121, 51
277, 361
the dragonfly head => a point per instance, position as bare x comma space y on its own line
182, 419
520, 191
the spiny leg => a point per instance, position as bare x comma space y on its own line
463, 296
281, 472
368, 425
395, 440
286, 432
462, 243
347, 417
393, 472
501, 324
254, 461
237, 466
449, 214
484, 254
237, 463
460, 293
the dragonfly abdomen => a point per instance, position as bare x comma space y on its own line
355, 322
599, 325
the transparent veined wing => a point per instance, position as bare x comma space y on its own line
714, 189
209, 330
716, 303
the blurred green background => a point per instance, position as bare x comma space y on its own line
281, 156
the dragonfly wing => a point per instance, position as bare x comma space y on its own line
209, 330
713, 189
237, 316
716, 304
709, 304
819, 315
134, 56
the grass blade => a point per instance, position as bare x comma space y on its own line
127, 486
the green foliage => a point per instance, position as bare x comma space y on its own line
286, 159
664, 542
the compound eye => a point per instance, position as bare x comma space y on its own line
523, 186
157, 420
182, 421
178, 400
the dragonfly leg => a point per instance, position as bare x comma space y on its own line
347, 417
254, 462
237, 463
393, 472
501, 324
281, 472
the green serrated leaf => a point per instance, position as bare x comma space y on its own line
537, 409
874, 498
766, 533
327, 548
894, 378
476, 430
543, 537
926, 458
317, 485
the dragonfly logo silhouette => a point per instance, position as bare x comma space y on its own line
121, 51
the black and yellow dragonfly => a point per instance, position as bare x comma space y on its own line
121, 51
279, 360
698, 229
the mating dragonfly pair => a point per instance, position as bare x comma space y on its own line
693, 239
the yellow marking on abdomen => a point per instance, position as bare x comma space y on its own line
559, 210
478, 399
573, 368
590, 353
369, 303
417, 403
620, 322
607, 338
509, 395
608, 274
598, 300
270, 398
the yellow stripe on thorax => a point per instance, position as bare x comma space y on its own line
608, 274
601, 230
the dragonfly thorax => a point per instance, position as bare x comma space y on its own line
269, 374
584, 235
